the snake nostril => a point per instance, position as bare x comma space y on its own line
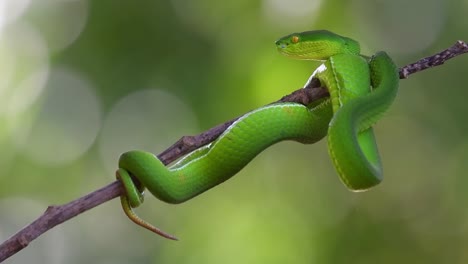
281, 44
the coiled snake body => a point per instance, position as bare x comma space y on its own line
361, 90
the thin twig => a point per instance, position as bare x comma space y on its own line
440, 58
55, 215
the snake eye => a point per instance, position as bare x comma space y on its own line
294, 39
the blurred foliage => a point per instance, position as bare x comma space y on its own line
83, 81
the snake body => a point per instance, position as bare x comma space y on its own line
361, 90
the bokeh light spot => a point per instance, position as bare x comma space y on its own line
27, 92
291, 13
72, 14
11, 10
401, 26
149, 120
66, 121
25, 63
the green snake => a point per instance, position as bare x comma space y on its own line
361, 89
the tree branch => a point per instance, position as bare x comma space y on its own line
55, 215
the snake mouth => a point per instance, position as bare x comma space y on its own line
304, 54
303, 51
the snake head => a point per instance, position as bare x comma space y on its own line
316, 45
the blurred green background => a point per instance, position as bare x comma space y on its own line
83, 81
